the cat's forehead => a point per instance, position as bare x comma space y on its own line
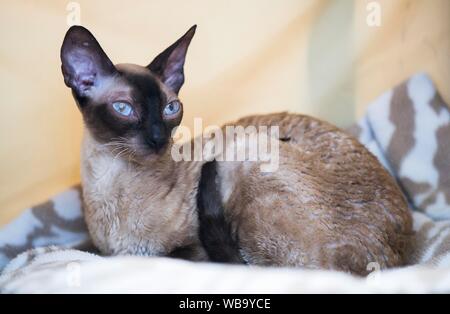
143, 81
133, 69
132, 82
138, 77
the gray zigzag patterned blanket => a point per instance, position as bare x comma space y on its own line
407, 128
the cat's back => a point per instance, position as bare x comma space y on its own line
330, 203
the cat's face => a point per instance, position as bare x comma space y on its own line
130, 108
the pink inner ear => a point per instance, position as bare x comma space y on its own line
81, 70
87, 82
81, 63
168, 65
83, 60
173, 75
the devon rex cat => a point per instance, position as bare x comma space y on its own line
330, 204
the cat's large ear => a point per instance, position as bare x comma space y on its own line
168, 65
84, 63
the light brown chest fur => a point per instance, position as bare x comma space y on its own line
134, 209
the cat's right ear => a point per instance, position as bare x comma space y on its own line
84, 63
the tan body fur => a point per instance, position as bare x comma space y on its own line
330, 204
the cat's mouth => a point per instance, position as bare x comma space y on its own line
155, 146
155, 150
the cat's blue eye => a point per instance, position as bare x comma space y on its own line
171, 109
123, 108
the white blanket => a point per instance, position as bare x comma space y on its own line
79, 272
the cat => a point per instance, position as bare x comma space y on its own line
330, 205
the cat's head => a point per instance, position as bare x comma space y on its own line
132, 106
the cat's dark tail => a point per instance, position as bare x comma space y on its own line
215, 231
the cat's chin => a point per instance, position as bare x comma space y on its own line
150, 155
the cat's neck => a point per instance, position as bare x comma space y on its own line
160, 194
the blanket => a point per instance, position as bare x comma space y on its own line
407, 128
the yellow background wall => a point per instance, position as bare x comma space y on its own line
249, 56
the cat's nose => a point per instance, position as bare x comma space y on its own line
157, 137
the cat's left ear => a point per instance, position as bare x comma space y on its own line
168, 65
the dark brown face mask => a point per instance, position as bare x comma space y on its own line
129, 104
